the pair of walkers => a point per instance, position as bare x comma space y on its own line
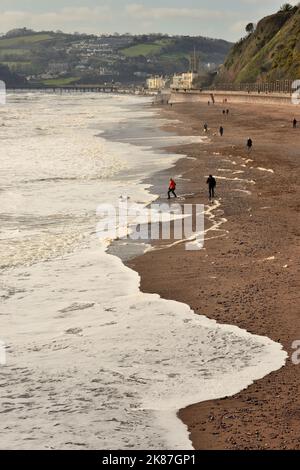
221, 130
211, 181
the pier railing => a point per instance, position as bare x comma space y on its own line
119, 89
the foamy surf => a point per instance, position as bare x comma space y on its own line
93, 362
103, 364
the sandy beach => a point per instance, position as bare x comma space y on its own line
82, 365
248, 273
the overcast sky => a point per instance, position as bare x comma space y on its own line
214, 18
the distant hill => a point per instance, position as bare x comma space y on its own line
56, 58
271, 52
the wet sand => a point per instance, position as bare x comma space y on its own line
248, 273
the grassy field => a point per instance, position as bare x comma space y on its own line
146, 49
13, 51
14, 65
24, 40
174, 56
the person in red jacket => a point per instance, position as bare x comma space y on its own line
172, 187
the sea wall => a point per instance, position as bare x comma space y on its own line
231, 97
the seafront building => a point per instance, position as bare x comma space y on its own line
184, 81
156, 83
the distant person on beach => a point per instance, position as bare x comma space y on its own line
295, 122
211, 186
172, 187
221, 131
249, 144
205, 127
224, 112
227, 111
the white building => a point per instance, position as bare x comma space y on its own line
184, 81
156, 83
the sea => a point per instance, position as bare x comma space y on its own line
88, 361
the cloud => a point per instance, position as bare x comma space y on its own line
210, 18
139, 11
83, 18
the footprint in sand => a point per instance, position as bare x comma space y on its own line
76, 306
73, 331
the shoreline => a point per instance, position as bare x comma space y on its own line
93, 308
203, 420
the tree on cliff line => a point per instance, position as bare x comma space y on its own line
286, 7
250, 28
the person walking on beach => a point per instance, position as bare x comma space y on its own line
221, 131
227, 111
295, 122
172, 187
205, 127
211, 186
249, 145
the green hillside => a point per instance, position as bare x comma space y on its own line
30, 52
56, 58
271, 52
146, 49
24, 40
177, 49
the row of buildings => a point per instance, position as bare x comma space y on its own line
180, 81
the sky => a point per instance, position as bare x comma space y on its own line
224, 19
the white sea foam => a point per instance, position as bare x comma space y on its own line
245, 191
268, 170
239, 180
92, 361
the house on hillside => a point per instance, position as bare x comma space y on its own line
58, 67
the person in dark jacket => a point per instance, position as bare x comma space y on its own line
211, 186
249, 144
295, 122
221, 131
